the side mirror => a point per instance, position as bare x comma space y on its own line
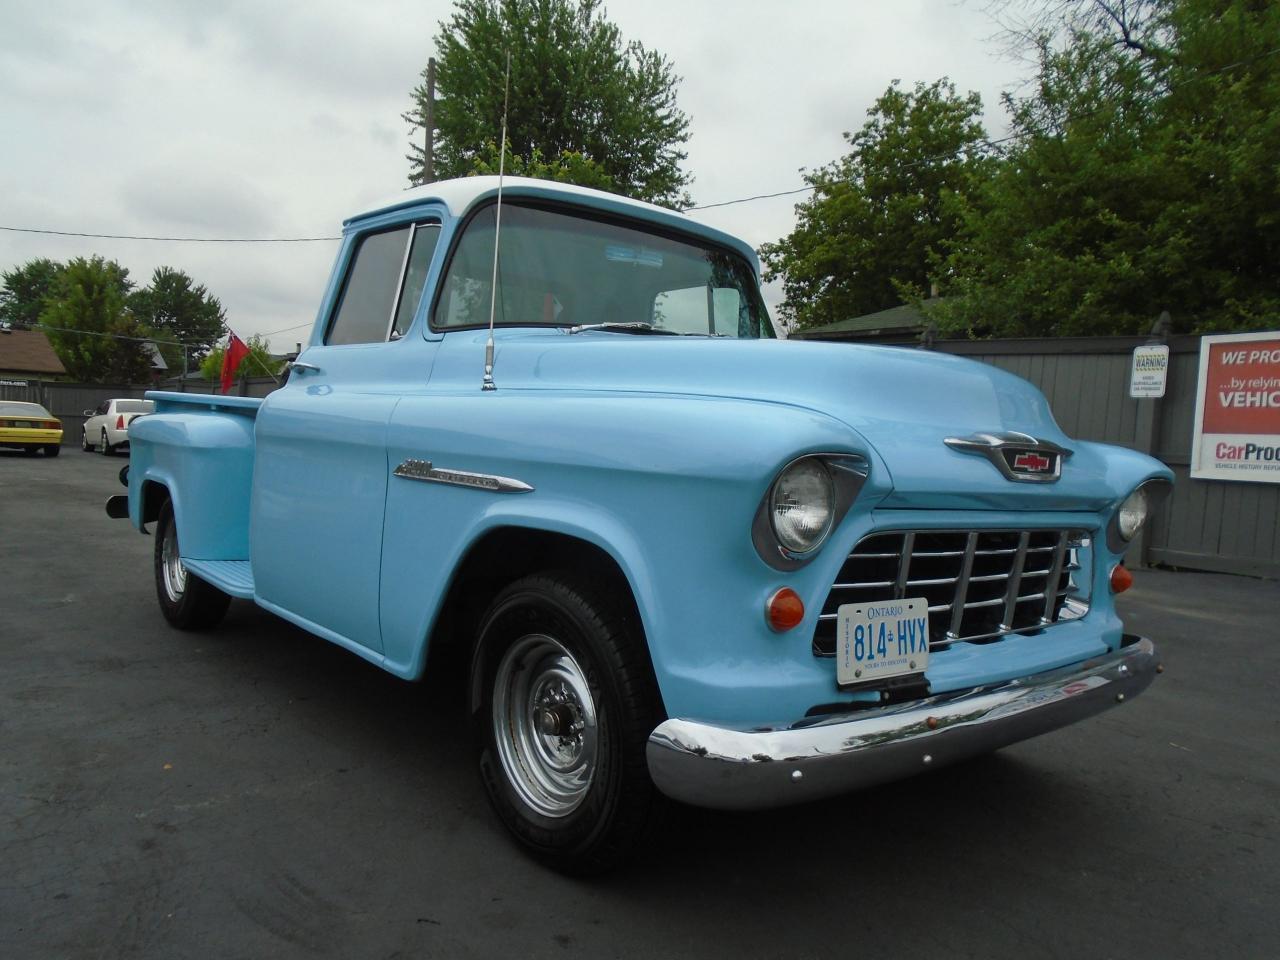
88, 413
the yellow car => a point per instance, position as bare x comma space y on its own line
30, 428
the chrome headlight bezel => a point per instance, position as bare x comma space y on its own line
846, 472
803, 486
1122, 527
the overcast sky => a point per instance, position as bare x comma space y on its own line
281, 118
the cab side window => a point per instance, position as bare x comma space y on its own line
383, 285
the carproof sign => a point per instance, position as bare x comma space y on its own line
1237, 425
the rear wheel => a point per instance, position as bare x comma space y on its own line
186, 601
52, 449
563, 702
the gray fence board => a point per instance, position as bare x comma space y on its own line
1220, 525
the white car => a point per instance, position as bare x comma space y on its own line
107, 428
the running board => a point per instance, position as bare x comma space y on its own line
230, 576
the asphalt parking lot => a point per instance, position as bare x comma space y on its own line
254, 792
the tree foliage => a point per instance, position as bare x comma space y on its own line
25, 292
1143, 178
864, 238
85, 318
87, 299
176, 308
582, 100
569, 167
258, 362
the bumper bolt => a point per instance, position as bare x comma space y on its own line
931, 723
1159, 668
797, 776
927, 758
1119, 698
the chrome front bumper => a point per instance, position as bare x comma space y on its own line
712, 766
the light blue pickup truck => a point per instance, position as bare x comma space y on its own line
681, 557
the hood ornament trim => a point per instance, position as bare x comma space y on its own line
1020, 457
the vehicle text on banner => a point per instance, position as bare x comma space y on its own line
1237, 425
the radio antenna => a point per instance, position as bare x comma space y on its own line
487, 383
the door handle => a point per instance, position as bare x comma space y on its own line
303, 367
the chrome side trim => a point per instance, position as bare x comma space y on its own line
727, 769
423, 470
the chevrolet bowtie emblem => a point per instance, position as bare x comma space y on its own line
1019, 456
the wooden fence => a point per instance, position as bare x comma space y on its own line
1220, 525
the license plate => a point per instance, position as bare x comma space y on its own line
880, 641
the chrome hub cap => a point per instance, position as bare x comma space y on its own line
544, 723
172, 571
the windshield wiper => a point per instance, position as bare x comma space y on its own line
636, 327
639, 327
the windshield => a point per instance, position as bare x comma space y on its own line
557, 269
135, 406
15, 408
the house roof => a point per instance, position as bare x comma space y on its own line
28, 351
905, 319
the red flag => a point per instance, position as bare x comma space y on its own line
236, 351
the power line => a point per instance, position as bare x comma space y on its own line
296, 326
124, 236
703, 206
994, 143
113, 336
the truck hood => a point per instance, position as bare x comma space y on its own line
899, 403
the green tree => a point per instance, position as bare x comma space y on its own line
178, 309
569, 167
864, 238
26, 291
576, 88
258, 362
86, 319
1142, 178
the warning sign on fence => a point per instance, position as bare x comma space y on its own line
1150, 370
1237, 425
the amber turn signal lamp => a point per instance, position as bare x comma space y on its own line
784, 610
1121, 579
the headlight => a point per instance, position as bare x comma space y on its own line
1135, 510
801, 506
1133, 513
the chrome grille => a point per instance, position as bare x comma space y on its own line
980, 584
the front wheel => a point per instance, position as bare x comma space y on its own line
563, 702
85, 445
104, 446
186, 601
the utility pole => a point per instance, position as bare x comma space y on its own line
429, 121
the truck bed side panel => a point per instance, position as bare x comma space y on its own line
201, 450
